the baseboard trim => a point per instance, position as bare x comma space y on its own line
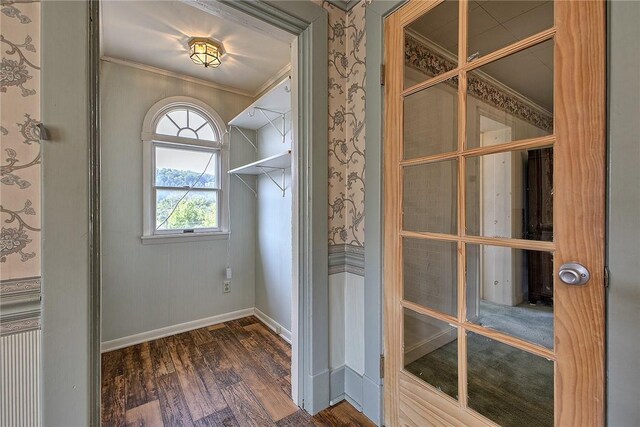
336, 385
273, 325
123, 342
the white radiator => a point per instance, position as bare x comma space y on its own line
19, 376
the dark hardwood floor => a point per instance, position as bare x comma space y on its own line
232, 374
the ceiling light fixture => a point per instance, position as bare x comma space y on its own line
205, 52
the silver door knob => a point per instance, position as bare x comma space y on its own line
573, 273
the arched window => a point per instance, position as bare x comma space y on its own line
184, 170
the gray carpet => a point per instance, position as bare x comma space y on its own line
533, 323
509, 386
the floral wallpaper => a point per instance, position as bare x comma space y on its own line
19, 140
346, 124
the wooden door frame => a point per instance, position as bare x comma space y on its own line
585, 128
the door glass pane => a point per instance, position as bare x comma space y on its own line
511, 195
431, 120
185, 168
196, 209
430, 273
431, 351
512, 98
495, 24
431, 44
511, 290
509, 386
430, 197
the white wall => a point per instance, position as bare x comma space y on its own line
273, 241
147, 287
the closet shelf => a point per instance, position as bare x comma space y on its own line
279, 161
269, 108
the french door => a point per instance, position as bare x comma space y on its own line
494, 213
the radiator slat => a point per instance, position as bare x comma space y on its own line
19, 375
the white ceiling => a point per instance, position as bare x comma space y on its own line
156, 34
494, 24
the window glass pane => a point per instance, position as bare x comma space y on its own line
431, 351
179, 117
166, 127
431, 43
511, 195
431, 120
512, 98
430, 199
509, 386
497, 23
430, 273
174, 210
195, 120
511, 291
186, 168
206, 133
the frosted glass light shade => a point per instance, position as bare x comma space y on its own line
205, 52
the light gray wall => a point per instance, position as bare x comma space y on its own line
66, 290
273, 241
147, 287
623, 311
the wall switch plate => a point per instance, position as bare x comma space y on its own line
228, 273
226, 288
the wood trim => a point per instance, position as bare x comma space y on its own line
523, 144
530, 245
413, 10
431, 82
392, 217
579, 209
420, 309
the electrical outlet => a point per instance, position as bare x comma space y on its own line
226, 288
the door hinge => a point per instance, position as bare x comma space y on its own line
382, 366
606, 277
382, 72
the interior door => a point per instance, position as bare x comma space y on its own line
495, 119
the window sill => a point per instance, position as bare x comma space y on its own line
182, 238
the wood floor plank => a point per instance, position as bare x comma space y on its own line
299, 418
224, 418
201, 336
147, 415
196, 380
259, 352
173, 406
218, 326
276, 402
268, 334
222, 368
271, 343
246, 409
141, 387
160, 358
226, 381
114, 397
249, 320
237, 329
112, 364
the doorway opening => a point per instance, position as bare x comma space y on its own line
199, 297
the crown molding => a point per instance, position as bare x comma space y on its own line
173, 74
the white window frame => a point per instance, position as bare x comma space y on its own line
151, 140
